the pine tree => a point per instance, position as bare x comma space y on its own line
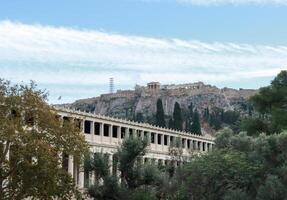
160, 114
177, 117
195, 127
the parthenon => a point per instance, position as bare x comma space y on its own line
105, 134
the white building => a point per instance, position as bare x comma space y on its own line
105, 134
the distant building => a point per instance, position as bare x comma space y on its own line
153, 85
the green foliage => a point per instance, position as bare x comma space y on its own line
31, 140
215, 118
177, 117
267, 156
130, 150
195, 127
272, 189
98, 163
230, 117
139, 117
254, 126
160, 121
271, 102
212, 175
170, 123
189, 118
236, 194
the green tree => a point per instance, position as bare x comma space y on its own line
139, 117
271, 102
236, 194
170, 123
32, 139
130, 150
195, 127
177, 117
272, 189
160, 121
189, 117
210, 176
254, 126
138, 181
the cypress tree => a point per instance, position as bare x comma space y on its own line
195, 127
190, 108
160, 114
170, 123
189, 117
177, 117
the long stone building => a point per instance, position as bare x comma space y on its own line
105, 134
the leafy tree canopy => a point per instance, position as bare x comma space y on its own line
271, 101
32, 139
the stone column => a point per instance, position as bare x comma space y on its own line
127, 134
110, 159
149, 137
110, 132
168, 140
196, 145
134, 132
119, 132
82, 126
101, 131
142, 134
210, 147
71, 165
162, 141
155, 140
185, 143
156, 162
81, 179
92, 130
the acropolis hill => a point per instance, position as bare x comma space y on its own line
127, 103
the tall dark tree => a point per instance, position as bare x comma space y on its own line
206, 114
139, 117
170, 123
177, 117
195, 127
189, 117
160, 114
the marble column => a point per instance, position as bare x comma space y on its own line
92, 130
101, 131
127, 133
71, 165
119, 132
110, 132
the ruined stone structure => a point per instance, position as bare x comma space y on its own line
105, 134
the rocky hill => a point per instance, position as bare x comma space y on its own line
128, 103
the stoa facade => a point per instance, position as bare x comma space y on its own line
105, 134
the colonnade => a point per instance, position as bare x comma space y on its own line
105, 134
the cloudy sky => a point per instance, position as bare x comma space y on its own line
72, 48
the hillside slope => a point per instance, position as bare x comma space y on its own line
128, 103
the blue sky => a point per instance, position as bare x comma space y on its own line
72, 47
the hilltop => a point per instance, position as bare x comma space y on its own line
142, 100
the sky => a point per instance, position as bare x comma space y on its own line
72, 47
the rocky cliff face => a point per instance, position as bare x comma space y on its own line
127, 103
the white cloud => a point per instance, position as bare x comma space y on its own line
58, 55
